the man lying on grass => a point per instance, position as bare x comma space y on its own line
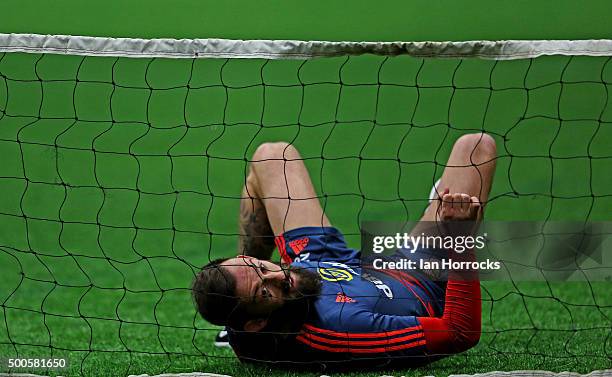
319, 306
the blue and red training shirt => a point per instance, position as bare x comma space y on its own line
365, 313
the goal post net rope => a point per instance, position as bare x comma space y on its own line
123, 162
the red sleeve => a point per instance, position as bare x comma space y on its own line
459, 327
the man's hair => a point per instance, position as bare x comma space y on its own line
214, 294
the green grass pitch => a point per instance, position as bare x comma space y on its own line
109, 202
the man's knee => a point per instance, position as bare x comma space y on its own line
478, 147
276, 160
279, 150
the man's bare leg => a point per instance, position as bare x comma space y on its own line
465, 184
280, 180
256, 236
469, 171
278, 195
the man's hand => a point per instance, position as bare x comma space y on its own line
459, 207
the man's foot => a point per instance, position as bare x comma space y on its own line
222, 340
433, 194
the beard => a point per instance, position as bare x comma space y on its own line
308, 283
298, 303
283, 324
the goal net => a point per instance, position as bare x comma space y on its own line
123, 162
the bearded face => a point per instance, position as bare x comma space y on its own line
275, 297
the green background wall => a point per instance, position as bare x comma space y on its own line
307, 20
